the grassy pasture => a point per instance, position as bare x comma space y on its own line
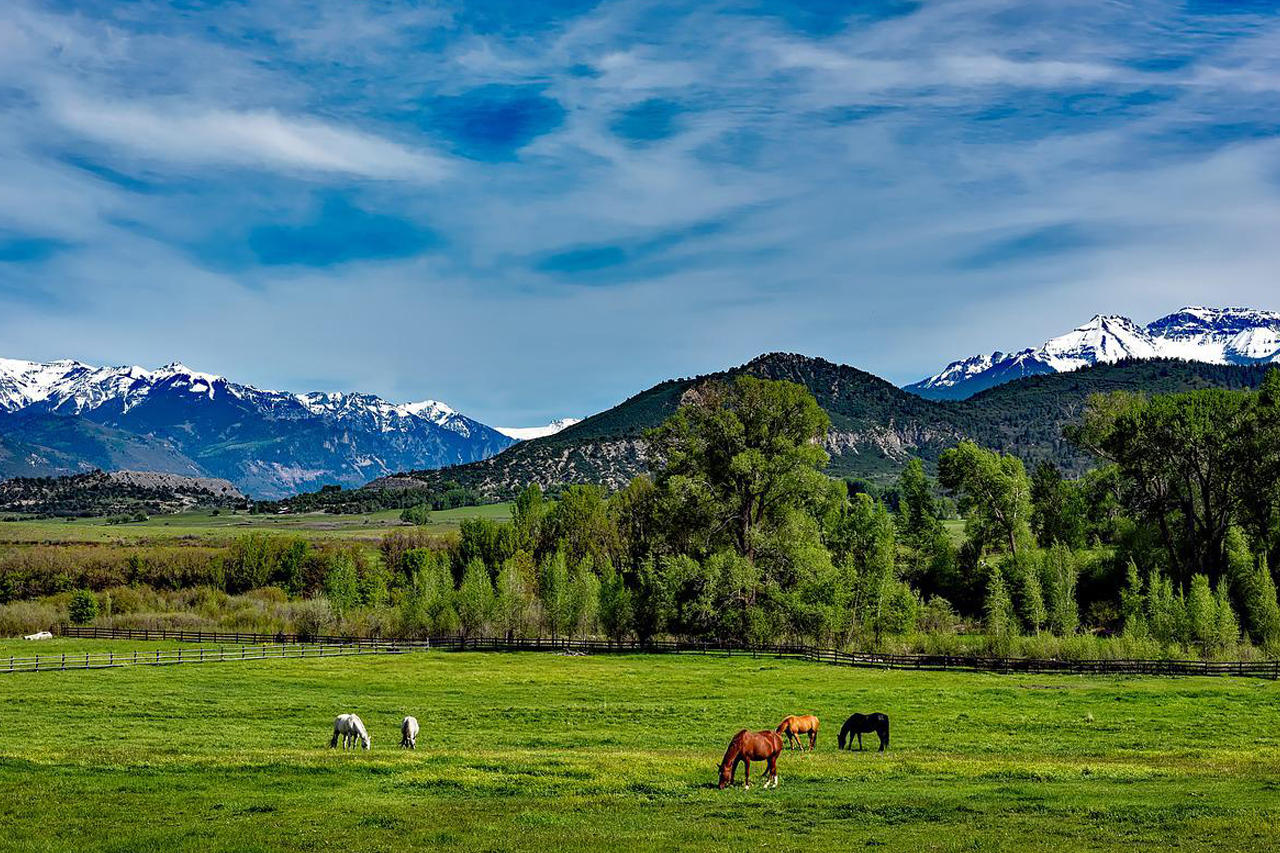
542, 752
202, 524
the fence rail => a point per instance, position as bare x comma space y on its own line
169, 657
969, 663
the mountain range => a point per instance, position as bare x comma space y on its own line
1239, 336
64, 417
875, 426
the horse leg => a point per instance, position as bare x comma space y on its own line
746, 774
773, 770
859, 742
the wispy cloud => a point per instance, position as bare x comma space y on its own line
670, 188
254, 139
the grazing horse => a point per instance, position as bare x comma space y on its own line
748, 746
349, 727
794, 726
860, 724
409, 732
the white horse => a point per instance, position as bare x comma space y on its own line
349, 727
409, 732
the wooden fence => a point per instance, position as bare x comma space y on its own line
169, 657
969, 663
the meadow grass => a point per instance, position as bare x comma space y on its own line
203, 524
74, 645
544, 752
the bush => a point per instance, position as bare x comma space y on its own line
420, 514
83, 607
312, 618
27, 617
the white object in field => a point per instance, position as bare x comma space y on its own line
39, 635
409, 732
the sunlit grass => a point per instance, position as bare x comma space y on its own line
542, 752
203, 524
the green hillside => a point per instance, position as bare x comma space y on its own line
876, 426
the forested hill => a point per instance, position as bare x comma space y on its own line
876, 426
100, 493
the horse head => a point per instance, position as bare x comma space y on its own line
726, 774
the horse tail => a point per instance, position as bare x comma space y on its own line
886, 732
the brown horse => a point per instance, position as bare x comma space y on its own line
748, 746
794, 726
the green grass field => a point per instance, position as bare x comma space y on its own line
525, 752
204, 525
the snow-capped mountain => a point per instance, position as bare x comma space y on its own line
527, 433
1211, 335
269, 443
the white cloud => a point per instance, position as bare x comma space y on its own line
258, 139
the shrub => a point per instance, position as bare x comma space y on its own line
83, 607
420, 514
312, 618
27, 617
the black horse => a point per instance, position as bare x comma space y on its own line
860, 724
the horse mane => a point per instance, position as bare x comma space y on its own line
735, 747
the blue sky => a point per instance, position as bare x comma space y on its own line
534, 209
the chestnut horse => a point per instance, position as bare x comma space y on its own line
794, 726
748, 746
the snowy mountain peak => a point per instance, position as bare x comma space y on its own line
528, 433
70, 387
432, 410
270, 443
1192, 333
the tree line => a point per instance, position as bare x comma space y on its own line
739, 536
